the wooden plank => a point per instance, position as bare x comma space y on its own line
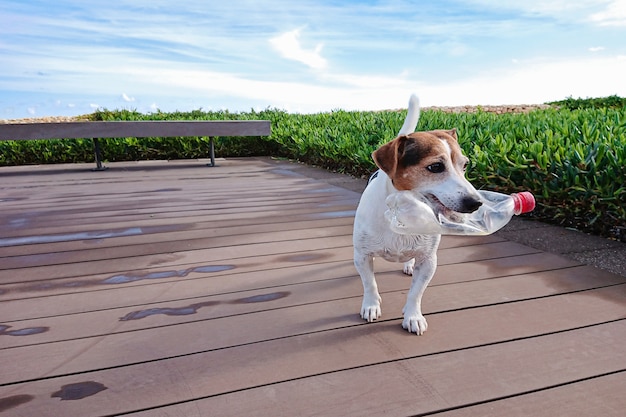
347, 290
158, 223
598, 396
147, 128
137, 241
65, 256
177, 195
432, 383
141, 241
229, 255
62, 297
133, 235
85, 195
276, 215
421, 375
174, 207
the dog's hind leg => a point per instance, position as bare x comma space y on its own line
408, 267
370, 307
414, 321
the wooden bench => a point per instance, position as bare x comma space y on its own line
137, 129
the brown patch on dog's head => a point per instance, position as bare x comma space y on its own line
413, 159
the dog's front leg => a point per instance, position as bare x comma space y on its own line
370, 307
414, 321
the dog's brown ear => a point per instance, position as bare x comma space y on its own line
386, 157
452, 132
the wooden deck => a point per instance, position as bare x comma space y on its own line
173, 289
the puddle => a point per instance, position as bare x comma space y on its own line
17, 223
53, 285
168, 311
28, 331
78, 391
193, 308
31, 240
304, 257
14, 400
97, 235
333, 214
165, 190
262, 298
124, 279
285, 172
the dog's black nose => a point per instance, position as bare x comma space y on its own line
471, 204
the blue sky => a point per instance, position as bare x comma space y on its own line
70, 57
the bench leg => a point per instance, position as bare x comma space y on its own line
212, 152
98, 154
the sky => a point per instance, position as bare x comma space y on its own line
71, 57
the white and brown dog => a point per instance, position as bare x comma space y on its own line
432, 164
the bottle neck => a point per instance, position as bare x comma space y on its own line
523, 202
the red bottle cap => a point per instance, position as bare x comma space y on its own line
524, 202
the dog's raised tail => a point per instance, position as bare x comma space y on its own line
412, 116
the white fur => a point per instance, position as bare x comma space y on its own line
373, 238
412, 116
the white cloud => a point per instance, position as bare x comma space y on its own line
614, 15
365, 58
561, 10
288, 45
534, 82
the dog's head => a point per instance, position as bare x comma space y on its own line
432, 164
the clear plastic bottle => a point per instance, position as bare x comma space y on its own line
409, 213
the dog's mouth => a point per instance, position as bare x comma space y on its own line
441, 209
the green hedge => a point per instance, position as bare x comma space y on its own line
572, 159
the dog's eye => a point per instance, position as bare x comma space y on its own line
465, 166
436, 168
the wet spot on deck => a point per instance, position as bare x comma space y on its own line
180, 273
97, 235
67, 237
27, 331
168, 311
159, 190
262, 298
321, 190
333, 214
18, 223
79, 390
14, 400
304, 257
45, 286
167, 190
285, 172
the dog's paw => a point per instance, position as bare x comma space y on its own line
415, 323
370, 309
408, 267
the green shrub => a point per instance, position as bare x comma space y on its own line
613, 102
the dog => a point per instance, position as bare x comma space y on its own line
432, 164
